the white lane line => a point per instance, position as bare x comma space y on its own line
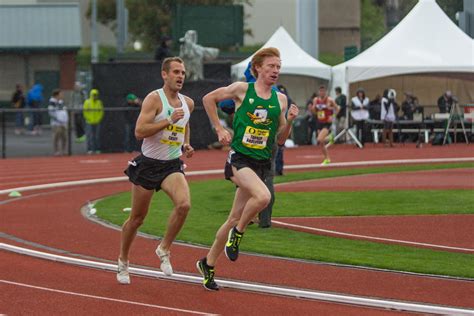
335, 232
104, 298
254, 287
381, 162
219, 171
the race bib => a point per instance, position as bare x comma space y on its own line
173, 135
255, 138
321, 115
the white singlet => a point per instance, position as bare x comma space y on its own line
166, 144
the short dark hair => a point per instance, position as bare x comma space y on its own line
338, 89
56, 92
166, 65
322, 87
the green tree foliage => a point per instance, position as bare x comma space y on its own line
450, 7
372, 26
149, 20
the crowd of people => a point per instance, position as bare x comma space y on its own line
86, 111
380, 110
326, 117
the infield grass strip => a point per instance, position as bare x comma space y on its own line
364, 203
211, 202
331, 173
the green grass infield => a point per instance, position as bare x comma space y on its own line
212, 199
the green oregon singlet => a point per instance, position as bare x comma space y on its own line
256, 124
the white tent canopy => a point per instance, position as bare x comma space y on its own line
294, 60
425, 41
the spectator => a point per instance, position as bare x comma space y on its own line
133, 105
445, 102
389, 108
79, 95
18, 102
59, 120
360, 114
93, 111
310, 118
279, 163
34, 100
375, 107
409, 106
341, 101
163, 50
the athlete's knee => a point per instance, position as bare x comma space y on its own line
136, 221
183, 207
263, 199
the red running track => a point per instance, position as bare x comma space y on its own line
52, 218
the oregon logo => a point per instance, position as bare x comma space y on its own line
259, 116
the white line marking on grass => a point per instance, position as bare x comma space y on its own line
103, 298
219, 171
335, 232
254, 287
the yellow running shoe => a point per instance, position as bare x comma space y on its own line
325, 162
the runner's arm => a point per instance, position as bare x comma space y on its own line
146, 125
236, 92
188, 149
285, 124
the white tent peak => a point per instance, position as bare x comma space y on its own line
425, 36
425, 41
294, 60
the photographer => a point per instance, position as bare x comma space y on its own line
409, 106
445, 102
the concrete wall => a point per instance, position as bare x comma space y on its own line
105, 35
339, 22
12, 68
18, 68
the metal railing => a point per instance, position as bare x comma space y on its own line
8, 123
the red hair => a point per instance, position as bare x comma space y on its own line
258, 58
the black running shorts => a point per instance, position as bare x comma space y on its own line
150, 173
261, 167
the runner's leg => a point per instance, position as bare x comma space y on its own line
176, 187
240, 199
141, 199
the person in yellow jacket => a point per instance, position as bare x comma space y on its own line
93, 111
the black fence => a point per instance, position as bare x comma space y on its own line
115, 80
22, 141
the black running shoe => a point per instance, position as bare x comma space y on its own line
208, 273
232, 245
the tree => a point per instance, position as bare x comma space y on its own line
372, 26
149, 20
375, 16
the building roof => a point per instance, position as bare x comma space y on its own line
40, 27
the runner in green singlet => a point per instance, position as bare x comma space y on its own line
259, 119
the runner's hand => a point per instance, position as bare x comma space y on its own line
292, 112
224, 136
177, 115
188, 150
